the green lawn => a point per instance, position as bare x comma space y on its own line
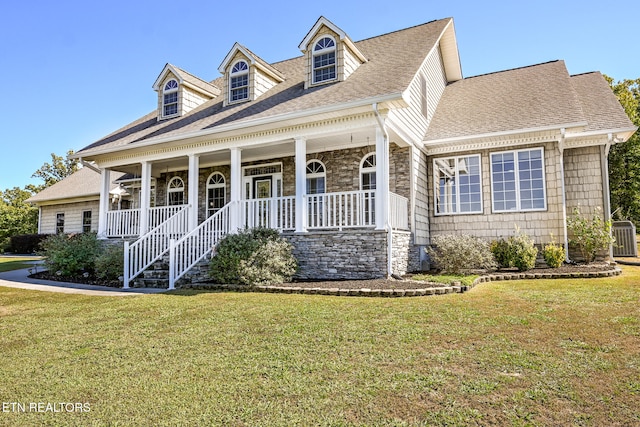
13, 263
506, 353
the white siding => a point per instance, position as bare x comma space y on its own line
350, 63
261, 84
191, 99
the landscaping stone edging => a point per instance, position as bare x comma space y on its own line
427, 291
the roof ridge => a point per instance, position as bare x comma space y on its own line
403, 29
586, 72
513, 69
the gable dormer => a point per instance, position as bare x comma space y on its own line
180, 92
246, 75
331, 56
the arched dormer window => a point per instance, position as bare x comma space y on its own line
216, 193
316, 177
324, 60
239, 82
175, 192
170, 98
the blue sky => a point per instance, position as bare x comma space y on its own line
74, 71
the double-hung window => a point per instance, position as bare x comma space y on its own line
324, 60
517, 180
458, 187
239, 82
170, 98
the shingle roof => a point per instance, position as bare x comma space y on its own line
394, 59
600, 106
523, 98
83, 183
196, 81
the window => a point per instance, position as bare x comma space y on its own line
59, 223
316, 177
86, 221
239, 82
170, 100
517, 180
458, 186
175, 192
216, 193
324, 60
368, 182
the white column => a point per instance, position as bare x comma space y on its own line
105, 186
145, 196
194, 172
236, 189
382, 180
301, 184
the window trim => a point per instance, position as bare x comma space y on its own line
168, 91
236, 74
436, 182
322, 174
60, 228
324, 51
175, 190
223, 185
517, 181
368, 169
88, 211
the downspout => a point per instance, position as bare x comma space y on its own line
606, 195
387, 224
564, 196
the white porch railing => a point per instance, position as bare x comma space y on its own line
139, 255
123, 223
160, 214
398, 212
194, 246
341, 210
277, 212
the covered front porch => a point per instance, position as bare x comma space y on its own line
183, 205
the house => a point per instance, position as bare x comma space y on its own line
359, 152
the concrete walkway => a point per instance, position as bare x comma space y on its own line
19, 279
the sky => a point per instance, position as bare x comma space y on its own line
75, 71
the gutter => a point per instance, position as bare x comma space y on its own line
244, 124
387, 225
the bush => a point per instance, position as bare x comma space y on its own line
553, 254
70, 254
26, 243
257, 256
109, 264
517, 251
590, 235
455, 254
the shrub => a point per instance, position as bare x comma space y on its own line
517, 251
257, 256
26, 243
590, 235
553, 254
455, 254
70, 254
109, 264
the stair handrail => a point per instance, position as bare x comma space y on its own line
191, 248
150, 247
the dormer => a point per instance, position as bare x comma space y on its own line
180, 92
246, 76
331, 56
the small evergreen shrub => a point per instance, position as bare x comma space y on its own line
590, 235
553, 254
71, 254
455, 254
109, 264
26, 243
257, 256
517, 251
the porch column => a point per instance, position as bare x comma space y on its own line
236, 190
194, 169
382, 179
301, 184
145, 196
105, 184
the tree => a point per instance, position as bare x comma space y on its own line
624, 159
57, 170
16, 216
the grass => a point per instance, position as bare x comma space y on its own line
13, 263
465, 280
519, 353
